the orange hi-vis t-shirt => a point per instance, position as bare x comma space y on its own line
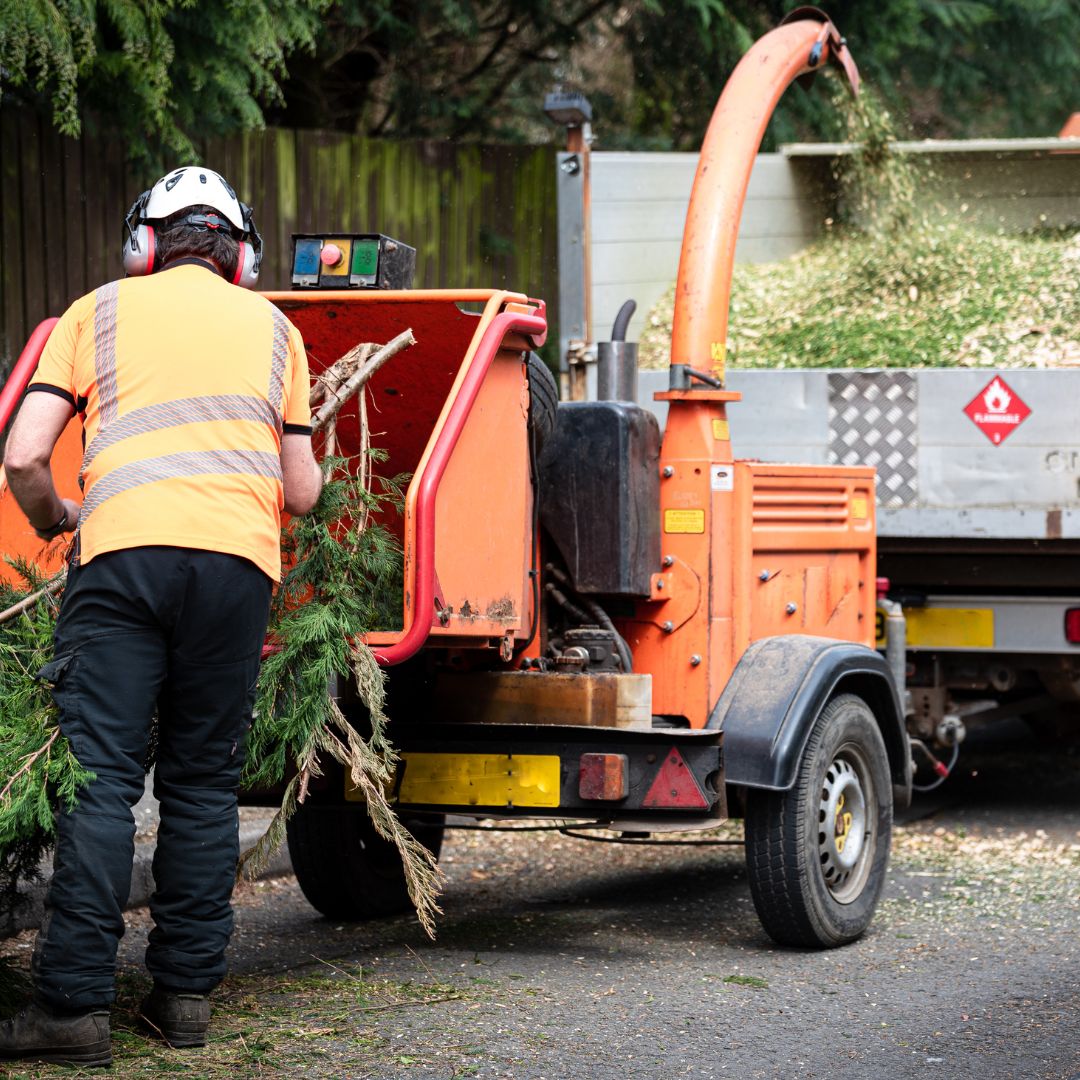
186, 384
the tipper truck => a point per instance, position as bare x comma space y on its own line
601, 624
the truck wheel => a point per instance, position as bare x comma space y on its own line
543, 399
345, 869
816, 854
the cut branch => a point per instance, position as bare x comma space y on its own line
28, 763
366, 367
27, 602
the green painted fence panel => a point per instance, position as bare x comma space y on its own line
478, 215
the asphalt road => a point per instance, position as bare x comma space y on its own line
560, 958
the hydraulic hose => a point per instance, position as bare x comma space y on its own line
564, 602
943, 771
595, 611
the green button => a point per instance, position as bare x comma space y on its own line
365, 260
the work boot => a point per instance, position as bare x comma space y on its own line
180, 1019
39, 1035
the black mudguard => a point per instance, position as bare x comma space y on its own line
778, 690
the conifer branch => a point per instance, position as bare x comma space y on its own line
54, 586
28, 763
340, 561
344, 580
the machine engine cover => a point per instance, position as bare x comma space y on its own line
600, 495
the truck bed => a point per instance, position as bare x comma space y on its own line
956, 510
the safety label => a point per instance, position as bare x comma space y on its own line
684, 521
997, 410
722, 477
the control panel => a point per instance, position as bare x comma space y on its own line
351, 261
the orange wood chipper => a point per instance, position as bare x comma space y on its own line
602, 624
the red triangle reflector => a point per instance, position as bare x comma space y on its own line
675, 786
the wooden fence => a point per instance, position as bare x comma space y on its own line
477, 215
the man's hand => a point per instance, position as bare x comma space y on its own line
65, 524
40, 422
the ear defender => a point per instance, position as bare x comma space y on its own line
139, 246
139, 250
247, 267
250, 257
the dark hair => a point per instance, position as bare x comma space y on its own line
177, 241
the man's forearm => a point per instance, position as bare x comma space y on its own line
34, 491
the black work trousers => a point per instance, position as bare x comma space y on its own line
181, 630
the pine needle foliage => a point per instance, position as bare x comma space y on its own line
161, 74
38, 771
346, 580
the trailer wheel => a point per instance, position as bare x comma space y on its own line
543, 399
345, 869
816, 854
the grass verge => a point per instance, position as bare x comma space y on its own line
313, 1022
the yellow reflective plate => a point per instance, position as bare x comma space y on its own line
945, 628
480, 779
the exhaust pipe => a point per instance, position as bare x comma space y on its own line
616, 361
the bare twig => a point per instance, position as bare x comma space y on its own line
420, 960
329, 382
27, 602
403, 1004
363, 373
340, 971
342, 380
28, 761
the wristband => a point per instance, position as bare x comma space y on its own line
54, 531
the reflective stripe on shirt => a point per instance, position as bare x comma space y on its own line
105, 304
184, 411
171, 466
279, 354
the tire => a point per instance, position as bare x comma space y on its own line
345, 869
812, 886
543, 400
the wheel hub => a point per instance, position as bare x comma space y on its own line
842, 829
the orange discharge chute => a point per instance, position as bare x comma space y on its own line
803, 45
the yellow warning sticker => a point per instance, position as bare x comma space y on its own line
720, 430
684, 521
717, 353
860, 508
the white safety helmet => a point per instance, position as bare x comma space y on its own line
190, 186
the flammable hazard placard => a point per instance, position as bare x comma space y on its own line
997, 410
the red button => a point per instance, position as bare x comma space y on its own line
331, 255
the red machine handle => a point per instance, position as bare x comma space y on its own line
423, 607
23, 371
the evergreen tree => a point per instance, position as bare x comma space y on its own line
159, 73
163, 73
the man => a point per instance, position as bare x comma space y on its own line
194, 400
